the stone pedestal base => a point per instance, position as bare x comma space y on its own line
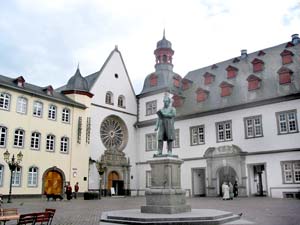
165, 195
165, 201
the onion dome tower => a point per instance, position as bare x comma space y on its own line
163, 78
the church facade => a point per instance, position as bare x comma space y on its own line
237, 121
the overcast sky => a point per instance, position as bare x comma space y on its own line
43, 40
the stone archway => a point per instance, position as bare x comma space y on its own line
220, 159
225, 174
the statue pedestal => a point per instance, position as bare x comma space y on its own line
165, 195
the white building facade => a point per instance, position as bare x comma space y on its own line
237, 121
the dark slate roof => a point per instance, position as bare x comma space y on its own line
92, 78
164, 43
269, 90
38, 91
77, 83
165, 79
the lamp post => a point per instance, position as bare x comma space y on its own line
101, 171
13, 163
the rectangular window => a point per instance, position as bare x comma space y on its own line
253, 127
22, 105
291, 172
65, 115
16, 177
224, 132
3, 135
4, 101
37, 109
50, 143
35, 140
197, 135
151, 142
64, 144
32, 177
287, 122
176, 143
148, 179
19, 138
52, 112
151, 108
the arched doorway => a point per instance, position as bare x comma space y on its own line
226, 174
53, 182
116, 183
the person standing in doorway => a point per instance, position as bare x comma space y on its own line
225, 190
230, 191
76, 189
235, 189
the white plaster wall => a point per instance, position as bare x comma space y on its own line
118, 86
98, 114
269, 142
274, 172
142, 105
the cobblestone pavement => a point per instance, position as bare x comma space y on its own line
260, 210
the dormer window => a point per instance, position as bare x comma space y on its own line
258, 65
261, 53
285, 75
20, 81
208, 78
49, 90
231, 72
213, 67
186, 84
235, 60
226, 89
177, 101
153, 80
253, 82
176, 81
201, 95
287, 57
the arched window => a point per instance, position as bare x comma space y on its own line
64, 144
52, 112
50, 142
109, 98
3, 136
121, 101
16, 177
37, 109
22, 105
66, 115
1, 174
4, 101
32, 177
19, 138
35, 140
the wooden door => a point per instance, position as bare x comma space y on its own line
112, 176
53, 183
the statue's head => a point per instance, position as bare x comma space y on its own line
167, 101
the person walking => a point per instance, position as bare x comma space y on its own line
76, 189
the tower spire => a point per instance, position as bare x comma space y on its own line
164, 34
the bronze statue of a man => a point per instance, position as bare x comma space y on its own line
165, 125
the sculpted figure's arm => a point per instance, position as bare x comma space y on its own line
157, 125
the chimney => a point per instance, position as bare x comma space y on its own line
295, 39
244, 53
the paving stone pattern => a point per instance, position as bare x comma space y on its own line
260, 210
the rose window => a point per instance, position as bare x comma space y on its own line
113, 133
